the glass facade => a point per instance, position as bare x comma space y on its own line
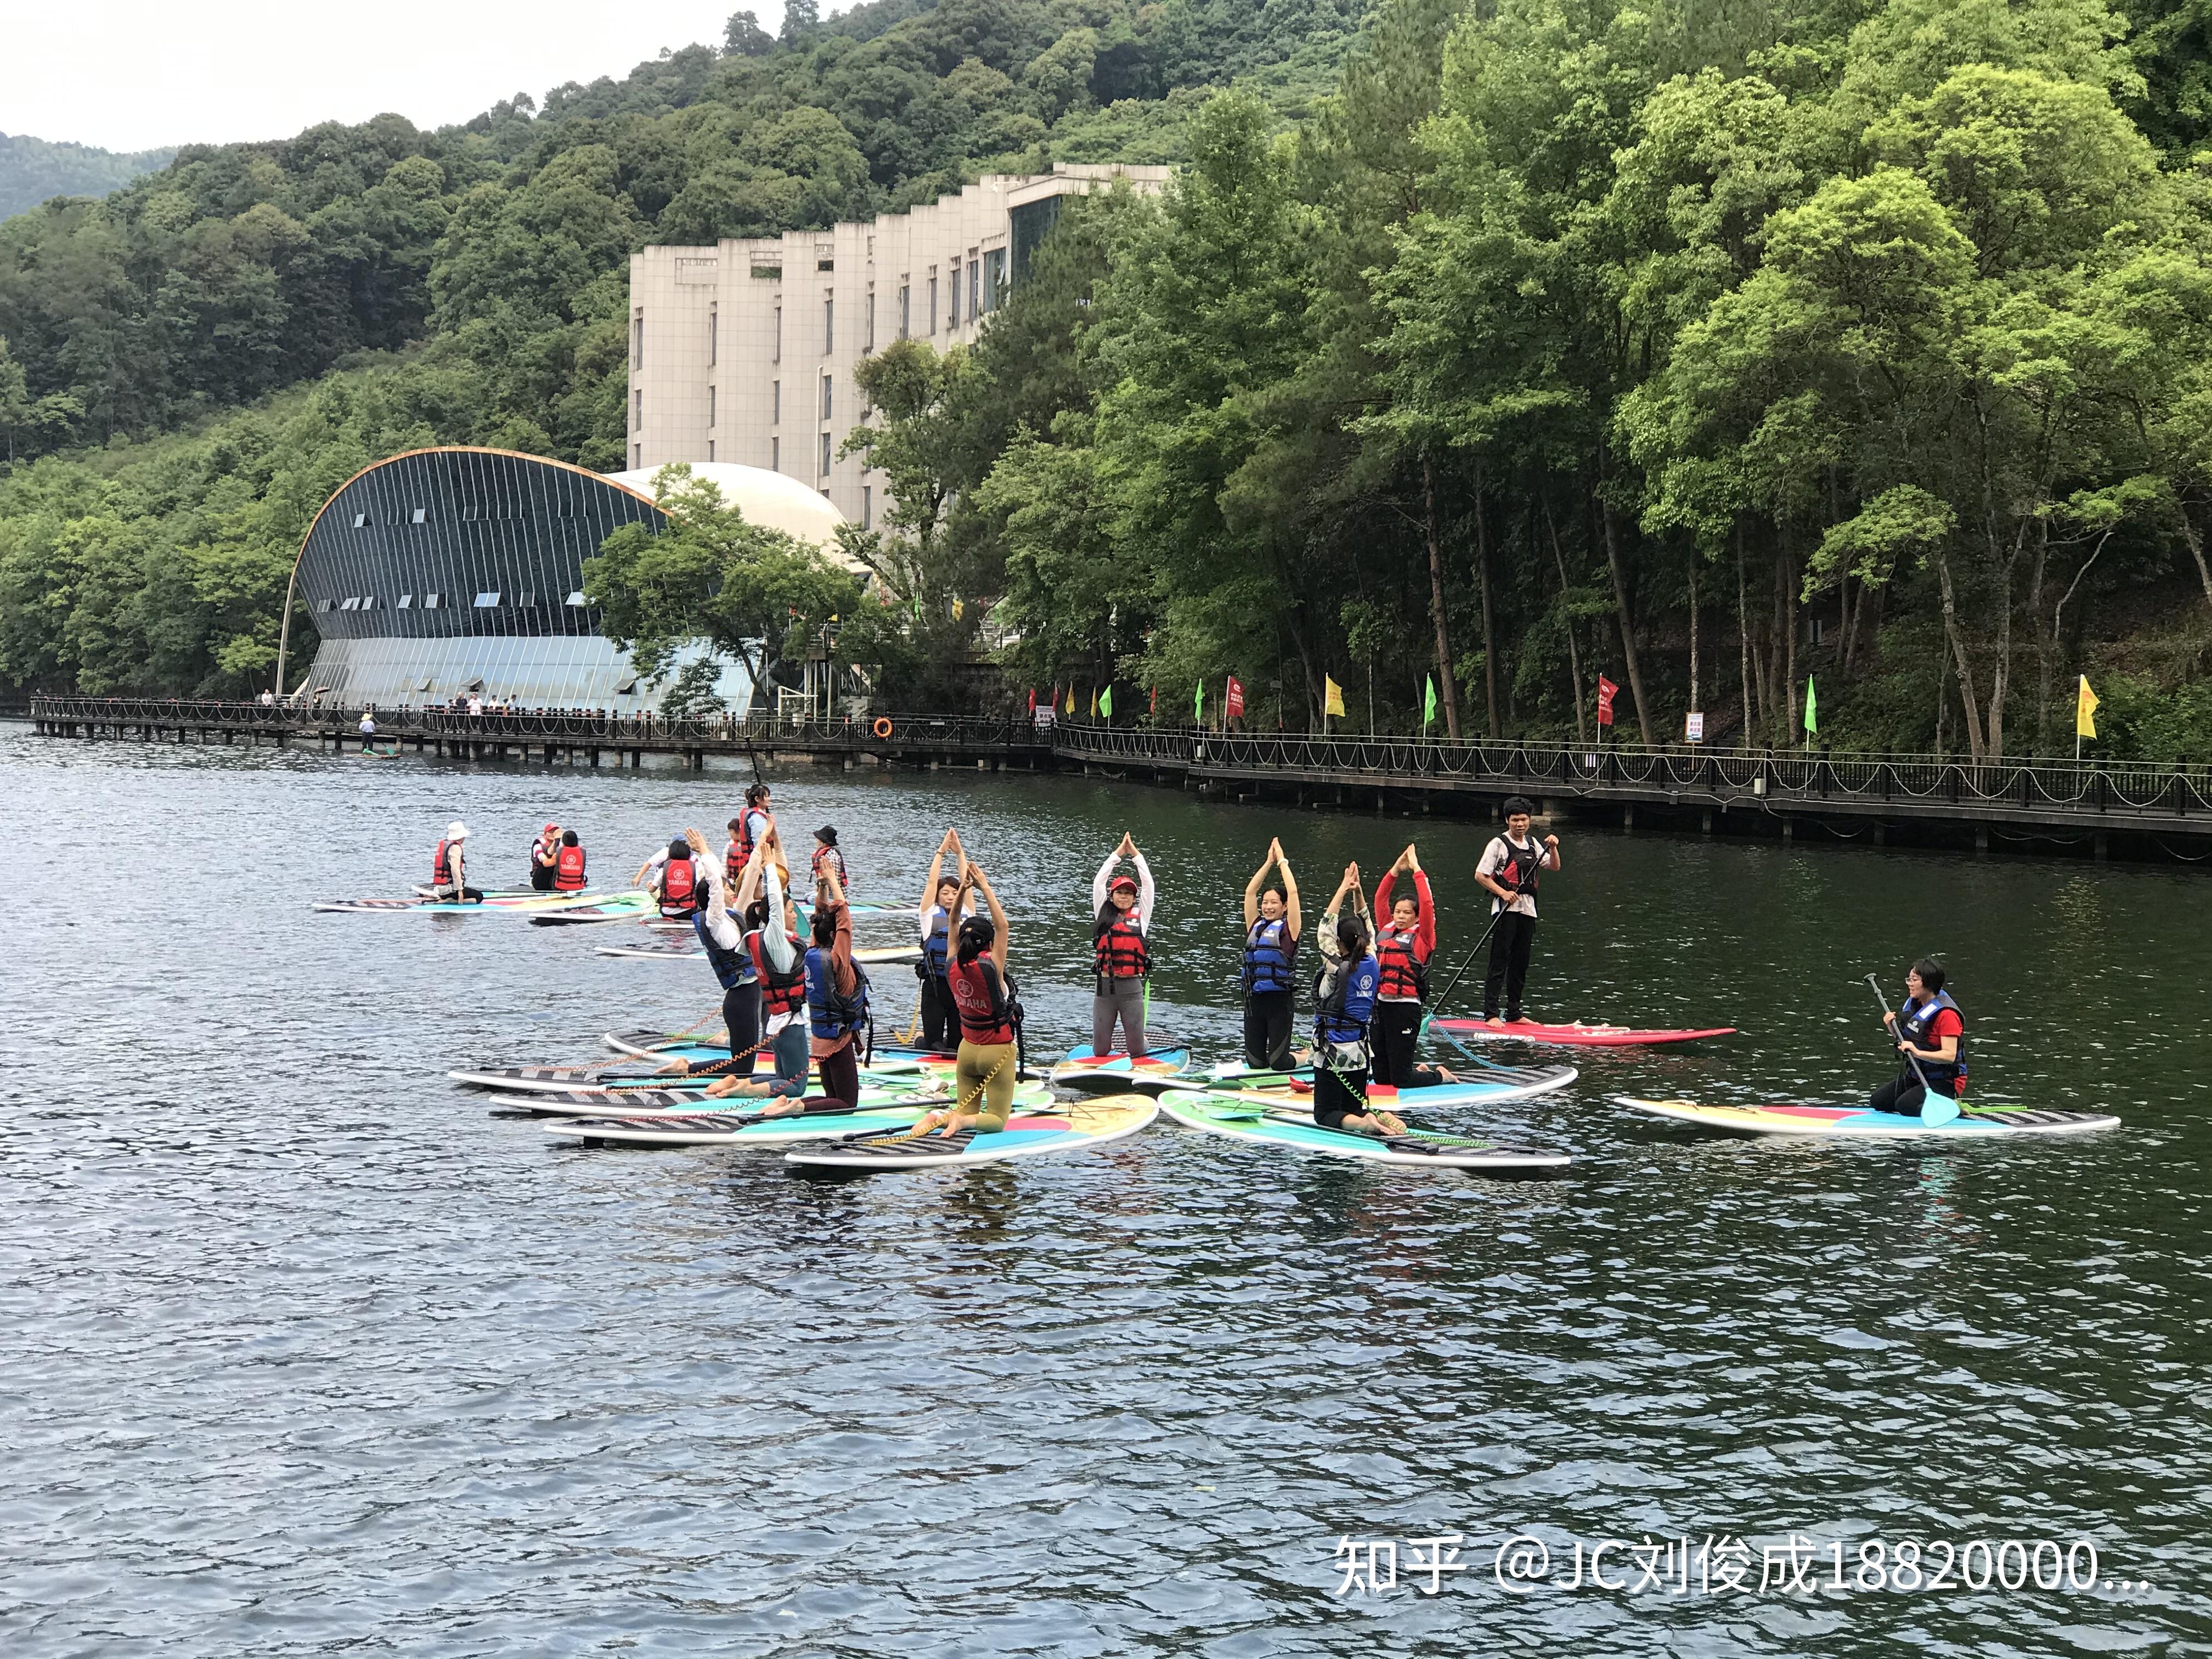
449, 572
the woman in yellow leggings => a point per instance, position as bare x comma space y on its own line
985, 1071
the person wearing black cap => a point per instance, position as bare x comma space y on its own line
827, 857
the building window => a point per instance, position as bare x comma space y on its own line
974, 288
637, 410
576, 600
871, 336
994, 279
710, 405
827, 382
430, 601
867, 507
776, 345
637, 340
406, 602
826, 454
933, 305
952, 299
368, 602
775, 455
775, 400
710, 451
420, 515
828, 324
486, 601
637, 454
714, 336
360, 520
906, 309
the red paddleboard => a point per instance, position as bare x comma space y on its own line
1576, 1036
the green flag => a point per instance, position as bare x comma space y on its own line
1428, 703
1197, 705
1812, 709
1106, 702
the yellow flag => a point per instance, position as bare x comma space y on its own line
1333, 696
1094, 702
958, 606
1070, 699
2084, 711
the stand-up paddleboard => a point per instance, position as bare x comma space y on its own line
1082, 1126
534, 905
422, 891
661, 1103
1576, 1036
711, 1045
1243, 1119
730, 1128
634, 905
889, 1072
1295, 1088
1082, 1069
1856, 1123
677, 950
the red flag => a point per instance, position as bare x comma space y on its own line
1156, 700
1033, 700
1235, 706
1606, 688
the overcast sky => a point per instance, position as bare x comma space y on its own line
133, 73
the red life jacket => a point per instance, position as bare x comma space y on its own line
439, 874
734, 860
779, 993
568, 871
679, 888
1120, 949
1405, 973
822, 855
986, 1016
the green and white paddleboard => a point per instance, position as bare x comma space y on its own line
1428, 1149
738, 1129
1082, 1126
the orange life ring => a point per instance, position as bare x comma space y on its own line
882, 725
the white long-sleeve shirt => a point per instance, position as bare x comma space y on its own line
776, 942
1100, 882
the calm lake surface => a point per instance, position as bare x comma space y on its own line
306, 1353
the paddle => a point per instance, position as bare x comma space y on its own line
1936, 1109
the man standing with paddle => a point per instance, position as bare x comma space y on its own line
1508, 870
1931, 1034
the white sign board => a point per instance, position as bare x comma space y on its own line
1696, 733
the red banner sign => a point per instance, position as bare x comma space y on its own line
1236, 702
1606, 688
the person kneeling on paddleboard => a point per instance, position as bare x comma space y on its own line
1344, 998
449, 881
940, 920
568, 864
724, 942
772, 946
1271, 964
990, 1021
836, 997
1508, 870
677, 878
1120, 955
1931, 1037
544, 853
1404, 942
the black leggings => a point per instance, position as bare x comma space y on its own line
1905, 1096
1337, 1095
1392, 1037
1509, 965
840, 1076
1267, 1018
940, 1020
741, 1013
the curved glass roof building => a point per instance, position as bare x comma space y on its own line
458, 572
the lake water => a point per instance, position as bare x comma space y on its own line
308, 1354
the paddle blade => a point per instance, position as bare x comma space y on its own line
1937, 1110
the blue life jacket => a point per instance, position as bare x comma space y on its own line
1913, 1020
828, 1014
733, 967
1271, 957
938, 944
1344, 1006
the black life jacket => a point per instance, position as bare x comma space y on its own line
988, 1013
779, 992
1913, 1020
829, 1013
732, 967
1524, 866
1119, 950
568, 869
679, 888
1271, 957
1405, 975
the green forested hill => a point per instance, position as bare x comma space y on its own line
32, 169
1512, 344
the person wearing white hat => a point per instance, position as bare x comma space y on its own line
448, 875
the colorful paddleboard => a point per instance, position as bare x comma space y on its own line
1083, 1125
1976, 1123
730, 1128
710, 1045
1576, 1036
889, 1072
1241, 1119
1487, 1088
661, 1103
675, 951
1082, 1069
536, 905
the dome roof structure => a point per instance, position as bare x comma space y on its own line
765, 498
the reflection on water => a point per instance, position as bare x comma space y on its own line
310, 1350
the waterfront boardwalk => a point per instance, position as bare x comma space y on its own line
2092, 808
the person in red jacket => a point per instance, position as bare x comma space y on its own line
1405, 939
568, 865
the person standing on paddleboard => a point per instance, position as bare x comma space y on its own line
1120, 956
827, 857
983, 997
1272, 925
1344, 1001
836, 996
544, 854
1404, 942
1508, 870
941, 922
449, 879
748, 830
1931, 1036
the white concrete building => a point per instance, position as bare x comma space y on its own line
743, 352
